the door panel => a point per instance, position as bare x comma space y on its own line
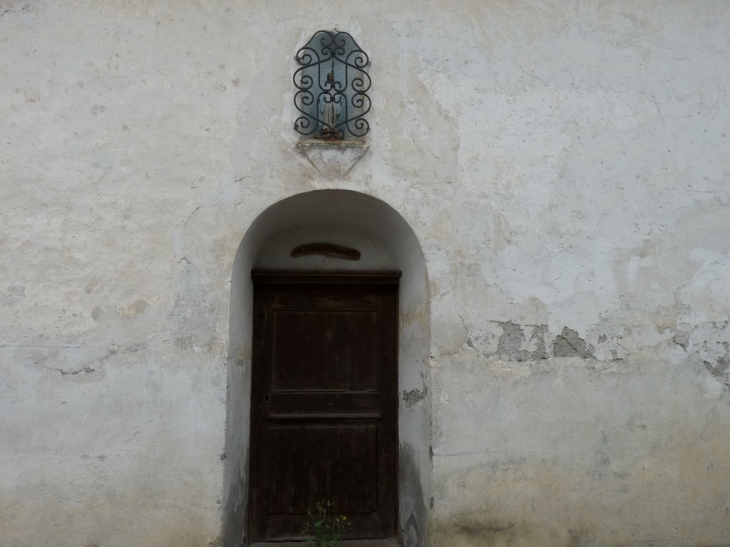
324, 394
288, 481
342, 466
344, 362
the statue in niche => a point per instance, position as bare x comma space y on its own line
332, 87
329, 110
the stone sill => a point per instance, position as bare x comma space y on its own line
333, 159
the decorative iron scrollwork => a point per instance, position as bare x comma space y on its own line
332, 87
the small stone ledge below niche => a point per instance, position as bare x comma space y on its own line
333, 159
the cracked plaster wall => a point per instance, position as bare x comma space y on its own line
563, 164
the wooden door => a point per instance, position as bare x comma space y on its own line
324, 402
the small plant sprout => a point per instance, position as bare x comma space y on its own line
322, 528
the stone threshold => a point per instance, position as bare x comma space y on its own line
344, 543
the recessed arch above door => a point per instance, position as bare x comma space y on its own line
386, 242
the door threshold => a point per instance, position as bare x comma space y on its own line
391, 542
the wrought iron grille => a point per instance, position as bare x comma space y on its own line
332, 87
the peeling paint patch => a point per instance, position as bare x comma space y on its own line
709, 344
681, 338
569, 344
511, 340
721, 368
514, 345
413, 396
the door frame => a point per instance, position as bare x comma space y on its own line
333, 277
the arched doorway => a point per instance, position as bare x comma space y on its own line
386, 243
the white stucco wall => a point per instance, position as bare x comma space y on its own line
564, 166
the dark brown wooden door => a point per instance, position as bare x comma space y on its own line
324, 402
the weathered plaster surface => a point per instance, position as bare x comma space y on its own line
333, 160
563, 165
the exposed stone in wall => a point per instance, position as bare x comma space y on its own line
569, 344
513, 339
513, 343
707, 343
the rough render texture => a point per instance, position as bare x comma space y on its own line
564, 165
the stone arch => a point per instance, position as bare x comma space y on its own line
356, 220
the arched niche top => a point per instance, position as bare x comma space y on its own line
386, 242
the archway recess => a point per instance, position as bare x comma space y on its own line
387, 242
